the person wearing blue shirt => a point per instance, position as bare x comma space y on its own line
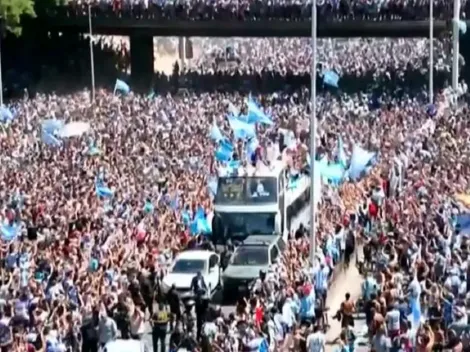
403, 309
369, 287
307, 307
321, 281
447, 310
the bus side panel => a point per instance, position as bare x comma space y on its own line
297, 206
284, 222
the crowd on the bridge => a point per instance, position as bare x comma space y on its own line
270, 65
294, 54
238, 10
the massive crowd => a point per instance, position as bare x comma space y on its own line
259, 10
257, 54
77, 255
81, 270
271, 65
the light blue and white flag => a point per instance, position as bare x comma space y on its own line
331, 78
342, 160
212, 186
462, 26
93, 151
215, 133
148, 207
200, 226
6, 115
121, 87
223, 154
359, 160
256, 115
185, 217
102, 191
52, 126
415, 312
241, 130
50, 139
233, 110
9, 232
334, 173
226, 144
251, 147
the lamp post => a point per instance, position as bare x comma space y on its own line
313, 135
92, 60
431, 52
455, 45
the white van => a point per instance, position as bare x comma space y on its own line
126, 346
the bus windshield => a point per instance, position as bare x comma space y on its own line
245, 224
246, 190
251, 255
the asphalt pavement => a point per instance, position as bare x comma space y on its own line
303, 218
348, 281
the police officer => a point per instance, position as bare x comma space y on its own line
160, 321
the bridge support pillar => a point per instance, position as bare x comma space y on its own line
141, 61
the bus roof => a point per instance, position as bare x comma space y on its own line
261, 170
260, 240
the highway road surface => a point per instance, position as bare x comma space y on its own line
349, 281
346, 281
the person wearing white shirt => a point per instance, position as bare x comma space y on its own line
288, 318
272, 335
392, 319
316, 340
278, 321
137, 320
378, 196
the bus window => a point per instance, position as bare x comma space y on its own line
246, 190
230, 190
239, 224
261, 189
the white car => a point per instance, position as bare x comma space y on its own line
185, 267
125, 346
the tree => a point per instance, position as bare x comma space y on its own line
11, 12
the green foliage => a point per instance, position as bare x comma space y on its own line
13, 10
41, 6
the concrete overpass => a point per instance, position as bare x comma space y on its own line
142, 30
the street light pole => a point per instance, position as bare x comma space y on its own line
1, 77
313, 135
2, 34
455, 45
92, 60
431, 52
